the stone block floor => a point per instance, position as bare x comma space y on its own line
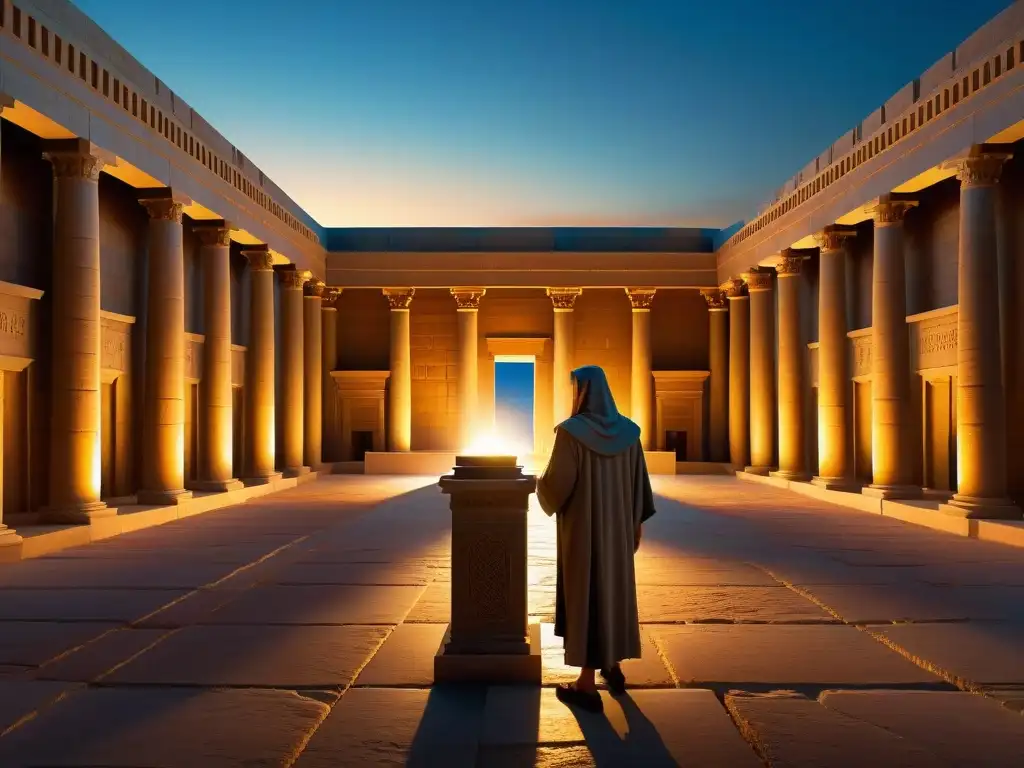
299, 630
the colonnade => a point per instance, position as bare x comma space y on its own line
758, 398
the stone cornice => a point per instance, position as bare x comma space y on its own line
564, 299
641, 298
399, 299
715, 298
468, 299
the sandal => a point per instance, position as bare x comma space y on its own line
615, 679
570, 695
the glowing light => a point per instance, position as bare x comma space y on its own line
493, 443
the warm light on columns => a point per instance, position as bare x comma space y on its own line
792, 448
292, 370
739, 372
640, 381
718, 386
260, 430
400, 381
762, 371
563, 301
467, 301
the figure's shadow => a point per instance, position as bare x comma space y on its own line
640, 744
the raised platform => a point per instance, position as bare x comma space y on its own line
441, 463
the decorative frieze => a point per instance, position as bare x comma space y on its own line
260, 259
468, 299
399, 299
163, 208
934, 338
564, 299
641, 298
715, 298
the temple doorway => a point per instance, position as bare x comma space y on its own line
514, 390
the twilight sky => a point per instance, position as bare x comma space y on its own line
536, 112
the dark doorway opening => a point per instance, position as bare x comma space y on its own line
675, 441
362, 441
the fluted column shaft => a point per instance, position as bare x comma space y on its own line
792, 450
718, 386
833, 455
563, 301
312, 375
75, 453
329, 362
640, 380
259, 393
891, 406
981, 405
400, 382
468, 307
762, 372
739, 373
216, 426
292, 371
163, 426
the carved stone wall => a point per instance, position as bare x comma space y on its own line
933, 339
360, 407
679, 407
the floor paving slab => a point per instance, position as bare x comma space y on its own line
795, 732
972, 653
649, 671
752, 604
380, 574
526, 756
260, 656
165, 728
529, 715
68, 573
20, 699
92, 661
434, 605
406, 658
119, 605
880, 604
31, 643
396, 727
324, 604
783, 655
700, 572
964, 728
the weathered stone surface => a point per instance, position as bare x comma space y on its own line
194, 608
736, 604
31, 643
120, 605
166, 728
261, 656
381, 574
647, 671
519, 714
978, 653
783, 655
790, 730
959, 728
526, 756
61, 573
434, 605
406, 657
690, 571
21, 698
329, 604
91, 661
876, 604
389, 726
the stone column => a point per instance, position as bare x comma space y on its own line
400, 383
292, 370
468, 302
216, 427
163, 426
563, 301
640, 379
329, 362
75, 453
833, 380
792, 450
762, 372
891, 406
718, 386
739, 373
260, 439
312, 374
981, 407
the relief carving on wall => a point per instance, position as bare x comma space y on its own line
937, 343
489, 572
114, 343
861, 355
15, 328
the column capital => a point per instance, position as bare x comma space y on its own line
260, 259
831, 238
888, 210
163, 208
214, 233
981, 166
789, 264
715, 297
399, 299
313, 289
641, 298
76, 158
564, 299
758, 279
292, 278
735, 288
330, 299
468, 299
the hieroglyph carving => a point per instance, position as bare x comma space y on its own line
12, 324
260, 260
862, 355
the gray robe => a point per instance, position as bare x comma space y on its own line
598, 501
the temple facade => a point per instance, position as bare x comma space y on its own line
177, 333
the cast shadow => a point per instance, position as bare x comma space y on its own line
639, 744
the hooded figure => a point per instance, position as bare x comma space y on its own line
597, 486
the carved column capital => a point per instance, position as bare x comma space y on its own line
789, 264
832, 238
260, 259
715, 297
292, 278
399, 299
313, 289
735, 288
981, 168
330, 298
564, 299
163, 208
758, 279
72, 164
468, 299
214, 233
641, 298
886, 211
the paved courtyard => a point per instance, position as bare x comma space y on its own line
300, 629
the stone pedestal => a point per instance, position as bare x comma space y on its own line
640, 381
489, 638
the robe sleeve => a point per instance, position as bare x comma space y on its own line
643, 495
558, 481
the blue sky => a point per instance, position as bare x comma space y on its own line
536, 112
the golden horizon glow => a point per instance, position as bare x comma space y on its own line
491, 443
